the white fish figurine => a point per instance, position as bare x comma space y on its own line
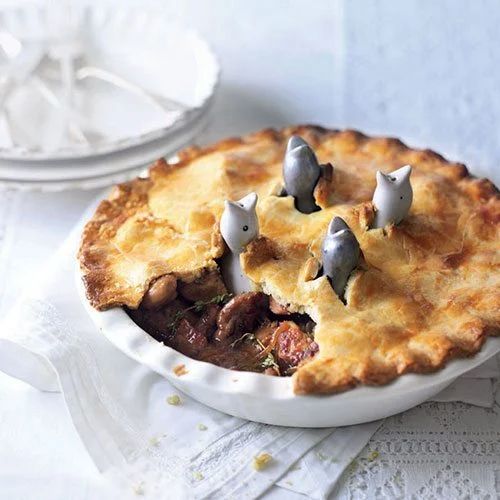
239, 226
392, 197
340, 254
301, 172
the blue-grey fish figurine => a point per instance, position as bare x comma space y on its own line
301, 172
340, 254
392, 197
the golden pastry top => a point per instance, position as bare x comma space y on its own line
428, 289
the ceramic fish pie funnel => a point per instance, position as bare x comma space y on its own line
301, 172
392, 197
239, 226
340, 254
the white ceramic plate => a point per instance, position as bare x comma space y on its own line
106, 163
99, 171
142, 46
271, 400
94, 182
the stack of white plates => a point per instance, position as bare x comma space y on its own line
139, 88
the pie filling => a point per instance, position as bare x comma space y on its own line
248, 332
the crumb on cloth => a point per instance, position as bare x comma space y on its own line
138, 489
180, 370
261, 461
174, 400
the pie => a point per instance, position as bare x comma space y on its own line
426, 290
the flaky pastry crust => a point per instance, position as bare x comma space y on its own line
428, 289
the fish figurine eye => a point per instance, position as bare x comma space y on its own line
392, 197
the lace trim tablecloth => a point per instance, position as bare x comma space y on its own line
436, 450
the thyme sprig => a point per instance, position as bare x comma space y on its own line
172, 326
246, 336
198, 307
269, 362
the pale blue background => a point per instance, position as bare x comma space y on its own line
427, 71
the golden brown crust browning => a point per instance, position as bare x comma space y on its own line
125, 200
428, 289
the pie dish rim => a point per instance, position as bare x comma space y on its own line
486, 187
254, 392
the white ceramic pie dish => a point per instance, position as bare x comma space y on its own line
271, 400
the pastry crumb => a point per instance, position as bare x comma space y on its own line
174, 400
154, 441
198, 476
353, 467
202, 427
180, 370
138, 489
261, 461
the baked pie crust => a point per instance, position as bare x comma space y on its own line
428, 289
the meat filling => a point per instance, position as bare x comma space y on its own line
250, 331
292, 345
161, 292
241, 314
203, 288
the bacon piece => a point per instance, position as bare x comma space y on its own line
292, 345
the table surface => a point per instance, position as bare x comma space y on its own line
423, 71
